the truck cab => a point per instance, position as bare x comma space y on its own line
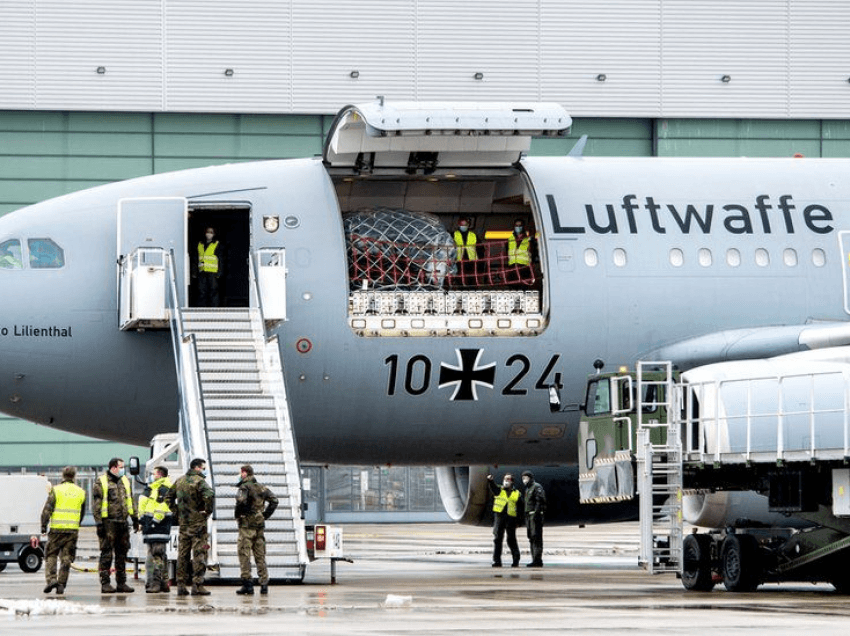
614, 405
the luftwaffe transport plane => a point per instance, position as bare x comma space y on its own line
403, 340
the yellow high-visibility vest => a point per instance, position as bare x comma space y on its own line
504, 499
69, 503
207, 258
157, 510
469, 248
128, 497
519, 254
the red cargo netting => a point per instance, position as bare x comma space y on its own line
375, 264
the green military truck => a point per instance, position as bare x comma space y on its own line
753, 455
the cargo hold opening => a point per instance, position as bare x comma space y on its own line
412, 272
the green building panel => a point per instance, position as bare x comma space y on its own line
719, 147
25, 444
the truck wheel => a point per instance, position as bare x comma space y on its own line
2, 566
740, 563
696, 563
30, 559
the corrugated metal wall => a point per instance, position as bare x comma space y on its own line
659, 58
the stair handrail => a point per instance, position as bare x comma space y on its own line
273, 363
192, 420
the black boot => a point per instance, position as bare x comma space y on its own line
264, 588
247, 587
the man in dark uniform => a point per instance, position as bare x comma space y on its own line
534, 502
505, 516
112, 503
210, 266
64, 509
191, 500
254, 504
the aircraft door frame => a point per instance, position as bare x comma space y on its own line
153, 222
844, 243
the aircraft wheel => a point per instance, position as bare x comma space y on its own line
740, 563
696, 563
30, 559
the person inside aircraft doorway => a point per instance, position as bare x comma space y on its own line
519, 271
467, 253
209, 268
505, 517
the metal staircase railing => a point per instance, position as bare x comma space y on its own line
659, 473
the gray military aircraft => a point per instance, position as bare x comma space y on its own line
394, 351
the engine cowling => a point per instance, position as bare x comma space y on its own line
734, 509
467, 499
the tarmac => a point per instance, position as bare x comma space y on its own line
432, 579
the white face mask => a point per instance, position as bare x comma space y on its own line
507, 484
210, 236
464, 228
525, 480
518, 229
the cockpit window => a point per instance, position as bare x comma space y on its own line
10, 255
45, 254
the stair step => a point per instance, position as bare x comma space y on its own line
228, 366
193, 324
265, 447
261, 468
242, 435
209, 387
238, 402
211, 354
240, 428
225, 416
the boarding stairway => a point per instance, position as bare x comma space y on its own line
247, 421
233, 403
659, 474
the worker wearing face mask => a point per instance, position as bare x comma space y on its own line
112, 503
534, 502
519, 255
505, 516
467, 254
192, 501
210, 265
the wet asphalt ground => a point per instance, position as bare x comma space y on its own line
433, 579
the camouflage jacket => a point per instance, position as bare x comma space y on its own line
251, 498
191, 499
116, 499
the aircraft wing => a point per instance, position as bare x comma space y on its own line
757, 342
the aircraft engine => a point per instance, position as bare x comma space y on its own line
467, 499
736, 509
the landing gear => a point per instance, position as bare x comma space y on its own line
696, 563
740, 563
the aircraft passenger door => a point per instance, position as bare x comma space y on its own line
147, 227
844, 239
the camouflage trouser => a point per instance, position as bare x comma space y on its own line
61, 546
115, 542
192, 551
252, 541
156, 566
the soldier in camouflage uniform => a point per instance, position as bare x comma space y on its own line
112, 503
254, 504
64, 509
191, 500
156, 521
